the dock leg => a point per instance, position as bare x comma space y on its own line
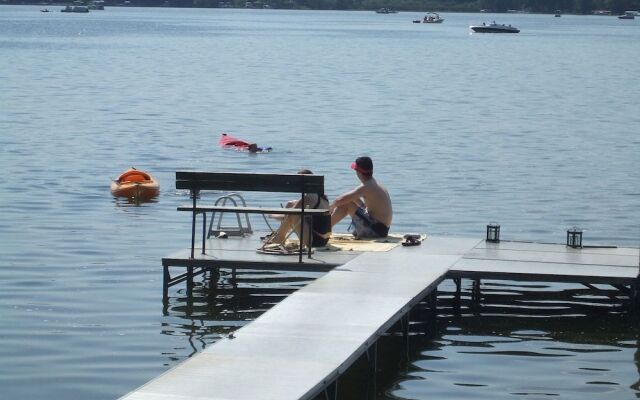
457, 296
165, 282
372, 358
476, 290
404, 321
331, 391
635, 297
189, 281
433, 301
475, 297
433, 310
193, 224
204, 231
214, 277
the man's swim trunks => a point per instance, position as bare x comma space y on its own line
368, 227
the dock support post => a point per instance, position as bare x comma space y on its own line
404, 323
433, 310
204, 231
189, 280
457, 295
476, 290
635, 296
372, 358
433, 300
214, 276
194, 196
331, 391
165, 282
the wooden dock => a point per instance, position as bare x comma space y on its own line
301, 346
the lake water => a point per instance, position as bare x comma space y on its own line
536, 131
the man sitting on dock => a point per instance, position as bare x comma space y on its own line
317, 228
369, 204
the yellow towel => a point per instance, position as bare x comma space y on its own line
346, 242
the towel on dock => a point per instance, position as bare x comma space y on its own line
347, 242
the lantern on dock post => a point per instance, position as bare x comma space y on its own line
574, 238
493, 233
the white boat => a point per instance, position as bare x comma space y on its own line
432, 18
494, 28
627, 15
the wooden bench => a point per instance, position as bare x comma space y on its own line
196, 182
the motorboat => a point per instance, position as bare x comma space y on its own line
558, 14
75, 9
627, 15
432, 18
44, 10
385, 10
135, 184
494, 28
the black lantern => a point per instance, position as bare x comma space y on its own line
574, 238
493, 233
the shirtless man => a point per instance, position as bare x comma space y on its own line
369, 204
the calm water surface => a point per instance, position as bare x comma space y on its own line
536, 131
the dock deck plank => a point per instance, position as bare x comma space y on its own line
240, 252
549, 262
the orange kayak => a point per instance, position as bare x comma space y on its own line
137, 184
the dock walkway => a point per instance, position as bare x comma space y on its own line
298, 347
303, 344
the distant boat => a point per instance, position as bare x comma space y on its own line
558, 14
44, 10
494, 28
385, 10
627, 16
76, 9
432, 18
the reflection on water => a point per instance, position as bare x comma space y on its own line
133, 201
527, 340
223, 302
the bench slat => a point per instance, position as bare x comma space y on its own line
255, 210
238, 181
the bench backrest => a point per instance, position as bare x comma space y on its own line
240, 181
